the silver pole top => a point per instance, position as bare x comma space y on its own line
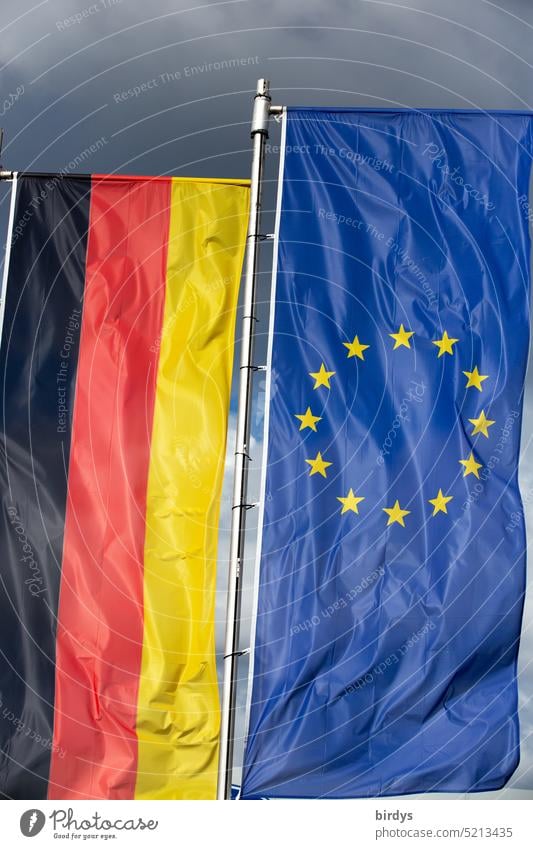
261, 111
263, 88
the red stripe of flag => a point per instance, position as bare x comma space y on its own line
100, 621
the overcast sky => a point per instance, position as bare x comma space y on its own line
140, 81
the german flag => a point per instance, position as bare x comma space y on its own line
116, 355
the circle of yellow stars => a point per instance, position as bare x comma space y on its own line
402, 339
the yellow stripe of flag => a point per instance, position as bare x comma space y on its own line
178, 707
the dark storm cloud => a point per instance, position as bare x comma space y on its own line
189, 68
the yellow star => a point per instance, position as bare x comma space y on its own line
471, 467
350, 502
355, 348
482, 424
445, 344
318, 466
322, 377
396, 514
402, 337
475, 378
308, 420
439, 503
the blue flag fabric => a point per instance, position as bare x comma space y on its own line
392, 567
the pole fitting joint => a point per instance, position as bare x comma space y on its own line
237, 653
261, 112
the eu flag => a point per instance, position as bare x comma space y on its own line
392, 560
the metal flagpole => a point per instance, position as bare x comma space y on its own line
259, 132
7, 255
